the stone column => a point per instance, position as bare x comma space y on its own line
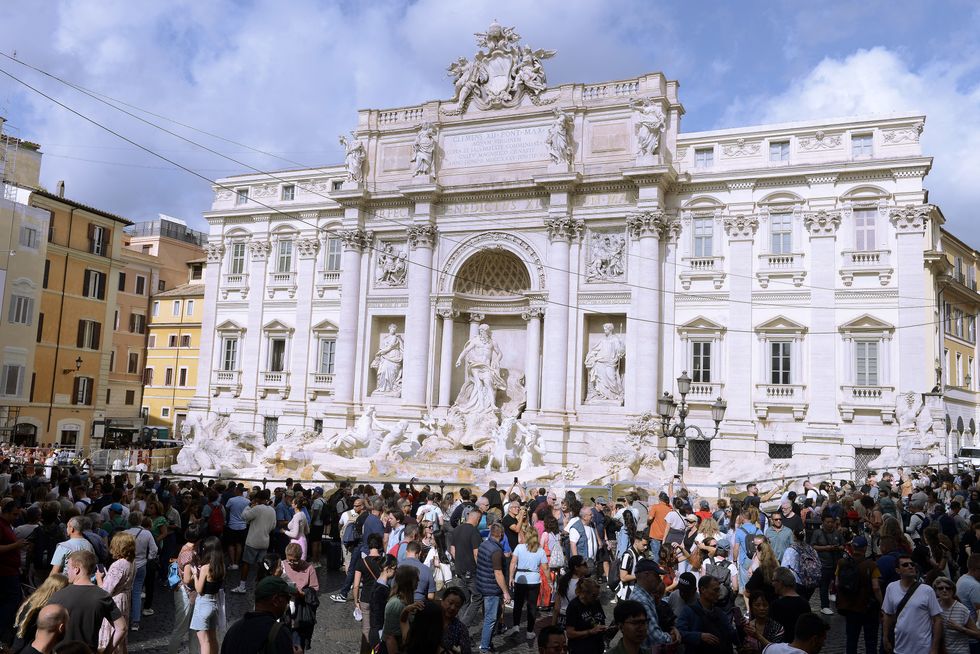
252, 355
532, 365
821, 374
302, 363
916, 350
739, 342
446, 355
206, 363
646, 227
561, 230
418, 318
475, 320
354, 241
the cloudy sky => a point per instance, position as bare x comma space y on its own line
286, 77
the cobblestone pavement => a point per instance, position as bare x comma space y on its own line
337, 632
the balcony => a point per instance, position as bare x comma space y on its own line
234, 282
866, 262
273, 381
326, 280
321, 383
281, 281
868, 399
229, 381
705, 392
774, 266
712, 268
780, 396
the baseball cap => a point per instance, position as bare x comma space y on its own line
704, 504
687, 580
723, 545
648, 565
318, 489
116, 506
859, 542
270, 587
601, 500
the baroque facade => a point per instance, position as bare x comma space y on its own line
789, 269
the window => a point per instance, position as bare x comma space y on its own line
134, 363
182, 377
29, 237
948, 317
189, 309
703, 231
98, 239
115, 320
959, 369
701, 363
284, 259
13, 380
108, 396
151, 340
156, 309
197, 271
148, 376
165, 412
82, 392
866, 363
130, 398
288, 192
959, 323
140, 285
336, 185
112, 360
328, 348
271, 428
122, 281
334, 254
168, 377
700, 454
779, 362
277, 354
93, 284
69, 437
237, 263
971, 328
137, 323
21, 310
47, 273
971, 277
89, 334
161, 285
968, 382
779, 151
780, 450
185, 340
958, 267
176, 308
781, 233
229, 354
172, 340
704, 157
862, 145
40, 326
946, 366
864, 229
317, 425
241, 196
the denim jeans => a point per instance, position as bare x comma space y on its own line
826, 578
474, 598
182, 622
349, 581
655, 550
491, 604
136, 600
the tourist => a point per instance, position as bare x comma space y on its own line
648, 589
552, 640
237, 529
810, 635
760, 629
788, 605
76, 542
463, 549
185, 593
859, 595
921, 624
657, 520
159, 529
302, 575
426, 588
421, 623
627, 564
960, 631
455, 635
583, 538
490, 582
146, 550
10, 565
87, 604
208, 574
706, 628
298, 527
585, 623
367, 573
805, 564
780, 537
526, 564
763, 566
261, 631
968, 585
722, 568
377, 601
51, 623
367, 523
631, 619
747, 527
25, 624
828, 541
576, 570
402, 595
117, 581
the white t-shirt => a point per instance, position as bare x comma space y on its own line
675, 521
782, 648
913, 631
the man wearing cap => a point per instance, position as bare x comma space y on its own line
859, 595
260, 630
686, 593
704, 510
117, 521
648, 582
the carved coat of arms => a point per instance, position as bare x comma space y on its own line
501, 73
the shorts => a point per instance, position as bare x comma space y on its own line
235, 536
254, 556
205, 614
316, 533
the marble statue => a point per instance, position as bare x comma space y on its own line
482, 378
388, 364
917, 441
217, 447
650, 122
913, 414
363, 439
529, 72
558, 139
399, 442
354, 156
603, 362
423, 151
515, 446
392, 266
607, 257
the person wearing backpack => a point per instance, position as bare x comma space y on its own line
724, 570
918, 521
804, 562
913, 619
214, 514
747, 527
828, 541
859, 595
262, 631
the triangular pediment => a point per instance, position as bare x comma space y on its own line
325, 326
277, 326
701, 323
780, 324
866, 322
229, 326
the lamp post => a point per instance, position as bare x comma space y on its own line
667, 406
78, 366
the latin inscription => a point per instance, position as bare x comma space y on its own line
497, 147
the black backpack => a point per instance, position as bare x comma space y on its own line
46, 539
849, 576
720, 571
749, 542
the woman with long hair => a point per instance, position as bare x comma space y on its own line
25, 625
550, 539
525, 579
367, 572
299, 525
208, 577
401, 596
118, 582
184, 593
763, 566
759, 630
576, 570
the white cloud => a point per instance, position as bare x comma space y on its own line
878, 81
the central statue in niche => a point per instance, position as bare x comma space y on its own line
477, 400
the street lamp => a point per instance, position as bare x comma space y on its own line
78, 366
667, 406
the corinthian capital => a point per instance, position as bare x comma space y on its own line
821, 223
259, 250
648, 223
421, 236
741, 227
563, 228
355, 239
910, 219
214, 252
307, 247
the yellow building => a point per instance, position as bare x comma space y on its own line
172, 353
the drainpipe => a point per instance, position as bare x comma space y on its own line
61, 313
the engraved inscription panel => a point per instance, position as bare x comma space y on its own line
491, 148
396, 156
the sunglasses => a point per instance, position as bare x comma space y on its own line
907, 564
944, 588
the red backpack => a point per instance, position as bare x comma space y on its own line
216, 521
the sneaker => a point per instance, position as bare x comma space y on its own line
530, 635
147, 611
832, 597
240, 589
826, 611
337, 597
233, 567
135, 626
512, 631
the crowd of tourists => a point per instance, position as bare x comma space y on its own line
431, 570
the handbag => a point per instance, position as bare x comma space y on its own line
173, 575
557, 559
